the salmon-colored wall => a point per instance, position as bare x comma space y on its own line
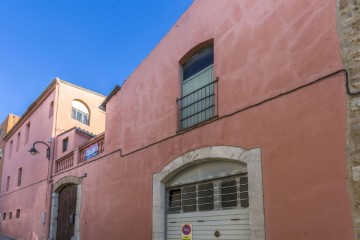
64, 121
304, 172
262, 49
5, 127
31, 203
34, 171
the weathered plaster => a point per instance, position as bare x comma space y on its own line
348, 19
250, 157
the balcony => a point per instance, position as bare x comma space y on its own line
89, 151
64, 163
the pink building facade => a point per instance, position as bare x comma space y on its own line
26, 182
234, 127
5, 127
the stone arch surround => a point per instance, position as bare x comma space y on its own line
252, 158
60, 184
348, 26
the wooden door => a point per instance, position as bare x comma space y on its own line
67, 210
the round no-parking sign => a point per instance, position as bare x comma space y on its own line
186, 231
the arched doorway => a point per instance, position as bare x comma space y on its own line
65, 209
199, 171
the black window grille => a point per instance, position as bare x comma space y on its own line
218, 194
197, 101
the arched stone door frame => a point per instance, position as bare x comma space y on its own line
58, 186
252, 158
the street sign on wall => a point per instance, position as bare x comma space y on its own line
91, 151
186, 231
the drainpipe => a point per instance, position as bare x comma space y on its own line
51, 164
50, 189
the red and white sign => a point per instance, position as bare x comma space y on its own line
186, 231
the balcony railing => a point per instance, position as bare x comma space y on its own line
64, 162
92, 149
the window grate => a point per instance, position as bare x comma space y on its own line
206, 196
198, 97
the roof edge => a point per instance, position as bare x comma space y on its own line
108, 98
79, 87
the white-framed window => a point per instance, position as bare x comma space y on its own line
197, 101
80, 112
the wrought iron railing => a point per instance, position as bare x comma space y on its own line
197, 106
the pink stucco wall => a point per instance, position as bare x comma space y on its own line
262, 49
29, 198
303, 169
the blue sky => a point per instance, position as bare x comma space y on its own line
92, 43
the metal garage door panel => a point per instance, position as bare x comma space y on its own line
232, 224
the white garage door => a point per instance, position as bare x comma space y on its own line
216, 209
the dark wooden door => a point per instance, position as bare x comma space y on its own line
66, 216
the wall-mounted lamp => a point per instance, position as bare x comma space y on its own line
34, 151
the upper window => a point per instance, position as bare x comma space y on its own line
80, 112
11, 148
18, 141
51, 109
65, 144
27, 132
19, 177
7, 183
197, 102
